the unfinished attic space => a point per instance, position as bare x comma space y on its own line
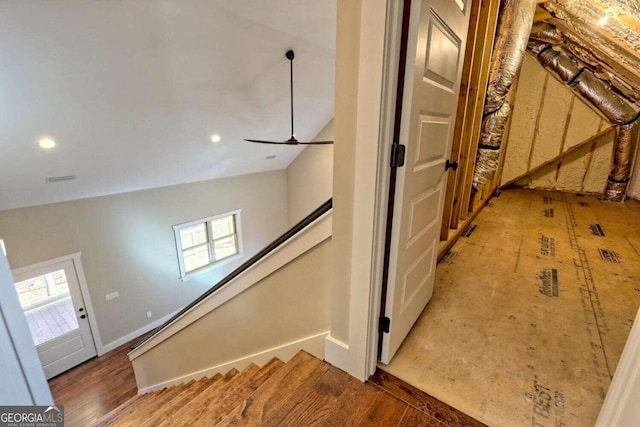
537, 285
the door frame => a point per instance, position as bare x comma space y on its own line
75, 259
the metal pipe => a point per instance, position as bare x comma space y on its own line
624, 147
512, 35
614, 107
516, 19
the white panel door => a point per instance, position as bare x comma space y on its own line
435, 51
53, 305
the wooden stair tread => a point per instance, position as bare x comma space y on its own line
167, 407
171, 418
200, 407
120, 415
303, 370
128, 407
351, 406
114, 412
231, 397
313, 407
302, 392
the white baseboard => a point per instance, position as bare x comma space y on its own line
130, 336
336, 353
313, 344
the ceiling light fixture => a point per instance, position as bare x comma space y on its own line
215, 138
46, 142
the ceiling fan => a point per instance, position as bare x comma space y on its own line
292, 140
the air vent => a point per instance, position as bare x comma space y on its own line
61, 178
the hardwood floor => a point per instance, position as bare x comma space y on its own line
306, 391
302, 392
94, 388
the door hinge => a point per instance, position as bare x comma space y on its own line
451, 165
384, 323
397, 155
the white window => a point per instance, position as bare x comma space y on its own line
208, 242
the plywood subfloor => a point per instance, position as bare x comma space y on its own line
531, 311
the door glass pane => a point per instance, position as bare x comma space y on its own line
223, 227
196, 257
193, 236
225, 247
47, 305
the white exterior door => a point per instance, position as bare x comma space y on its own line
53, 305
435, 51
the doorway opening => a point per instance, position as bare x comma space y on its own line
533, 277
56, 310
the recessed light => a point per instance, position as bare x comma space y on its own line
46, 142
215, 138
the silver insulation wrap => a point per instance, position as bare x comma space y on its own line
617, 109
559, 63
493, 127
512, 35
486, 166
624, 148
516, 19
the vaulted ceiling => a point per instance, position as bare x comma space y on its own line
132, 90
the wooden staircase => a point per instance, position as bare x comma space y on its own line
304, 391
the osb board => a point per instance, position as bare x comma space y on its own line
531, 311
548, 118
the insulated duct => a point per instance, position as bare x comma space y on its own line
516, 19
619, 177
614, 107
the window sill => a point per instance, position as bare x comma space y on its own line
210, 267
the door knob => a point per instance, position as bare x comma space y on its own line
451, 165
83, 316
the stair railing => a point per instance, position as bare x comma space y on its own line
306, 221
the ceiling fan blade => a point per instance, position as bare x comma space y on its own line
260, 141
316, 142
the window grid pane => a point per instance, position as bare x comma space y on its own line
193, 236
196, 257
223, 227
225, 247
206, 243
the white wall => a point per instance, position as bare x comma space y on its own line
128, 245
286, 307
22, 380
620, 407
360, 69
310, 177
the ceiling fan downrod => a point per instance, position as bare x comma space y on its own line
292, 139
